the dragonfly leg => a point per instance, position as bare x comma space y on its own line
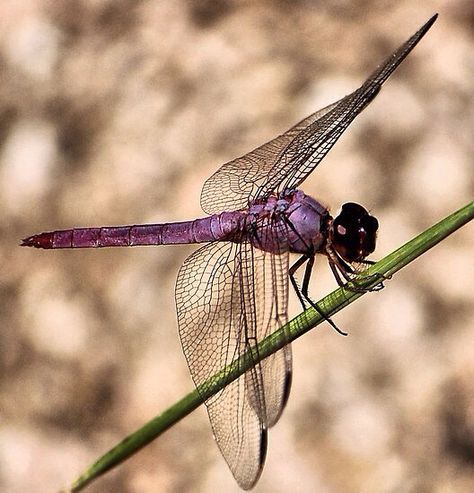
372, 277
302, 292
294, 282
378, 275
335, 272
340, 268
307, 276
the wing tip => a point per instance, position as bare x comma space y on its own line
426, 26
262, 457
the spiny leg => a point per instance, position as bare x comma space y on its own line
335, 272
378, 275
307, 276
294, 282
340, 267
302, 293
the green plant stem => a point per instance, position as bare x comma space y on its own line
301, 324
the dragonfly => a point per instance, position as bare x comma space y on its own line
233, 292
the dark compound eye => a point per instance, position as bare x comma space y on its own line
353, 209
354, 232
370, 223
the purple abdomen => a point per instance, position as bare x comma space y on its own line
224, 226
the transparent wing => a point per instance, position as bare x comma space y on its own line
228, 297
285, 162
230, 187
310, 146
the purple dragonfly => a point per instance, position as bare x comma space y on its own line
233, 291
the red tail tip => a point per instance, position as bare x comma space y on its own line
42, 240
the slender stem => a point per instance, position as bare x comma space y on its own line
301, 324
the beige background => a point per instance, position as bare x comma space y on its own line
115, 112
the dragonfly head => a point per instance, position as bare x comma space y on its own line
354, 232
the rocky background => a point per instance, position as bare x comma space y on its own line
114, 112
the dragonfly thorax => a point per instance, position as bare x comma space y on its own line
297, 223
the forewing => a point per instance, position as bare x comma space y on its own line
286, 161
231, 186
311, 144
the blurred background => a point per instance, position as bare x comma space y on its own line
115, 112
